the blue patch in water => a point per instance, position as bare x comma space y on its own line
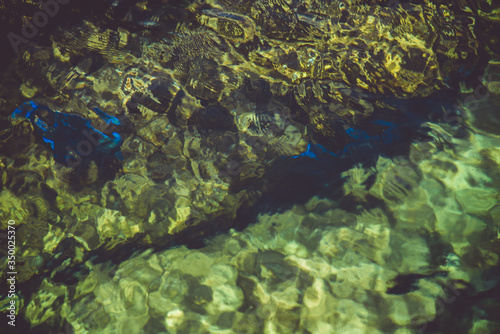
308, 153
363, 141
72, 137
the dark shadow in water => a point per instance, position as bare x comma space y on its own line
459, 309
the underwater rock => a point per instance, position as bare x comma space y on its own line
113, 226
71, 137
41, 309
478, 201
17, 139
323, 291
11, 208
395, 180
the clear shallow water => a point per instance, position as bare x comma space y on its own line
397, 232
419, 246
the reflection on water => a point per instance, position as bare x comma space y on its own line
254, 167
398, 266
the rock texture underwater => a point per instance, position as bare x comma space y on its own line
283, 166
